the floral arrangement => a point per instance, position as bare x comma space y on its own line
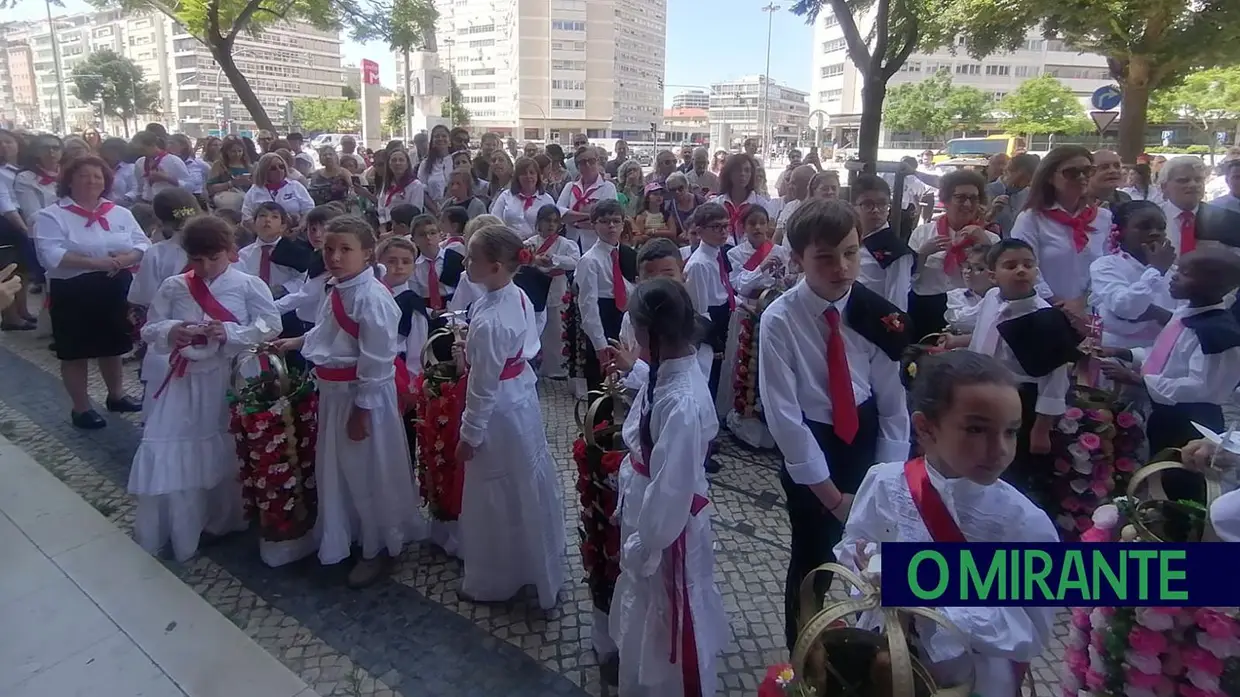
439, 401
598, 470
1096, 449
745, 379
781, 681
275, 424
1153, 651
571, 335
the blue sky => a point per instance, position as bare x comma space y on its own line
708, 41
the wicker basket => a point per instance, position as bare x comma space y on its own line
1146, 490
439, 401
598, 453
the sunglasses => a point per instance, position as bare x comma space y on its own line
1078, 172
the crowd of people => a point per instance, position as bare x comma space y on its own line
783, 316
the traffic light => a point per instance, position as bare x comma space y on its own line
660, 82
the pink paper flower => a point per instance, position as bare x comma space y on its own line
1099, 488
1145, 641
1216, 624
1080, 618
1202, 661
1094, 415
1082, 521
1071, 503
1073, 413
1090, 441
1076, 659
1125, 419
1095, 680
1096, 535
1125, 464
1139, 679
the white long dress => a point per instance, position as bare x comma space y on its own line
512, 510
883, 511
366, 488
667, 554
185, 471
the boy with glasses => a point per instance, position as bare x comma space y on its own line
604, 279
886, 260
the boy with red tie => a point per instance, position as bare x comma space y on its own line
828, 376
604, 278
708, 280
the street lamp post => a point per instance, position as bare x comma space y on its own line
60, 75
543, 112
770, 9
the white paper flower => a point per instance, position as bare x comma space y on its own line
1085, 466
1079, 486
1157, 621
1068, 426
1106, 516
1078, 452
1151, 665
1223, 648
1203, 681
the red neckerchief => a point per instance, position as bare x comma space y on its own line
150, 164
397, 187
958, 252
99, 215
582, 198
529, 200
45, 179
759, 255
736, 216
274, 190
1079, 223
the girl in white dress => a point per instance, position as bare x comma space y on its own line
667, 616
365, 482
512, 512
185, 472
967, 412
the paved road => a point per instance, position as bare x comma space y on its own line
412, 635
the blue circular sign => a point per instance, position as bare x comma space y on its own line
1106, 97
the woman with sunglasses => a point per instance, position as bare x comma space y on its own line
680, 204
1066, 231
271, 184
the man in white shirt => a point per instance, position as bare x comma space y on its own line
1189, 220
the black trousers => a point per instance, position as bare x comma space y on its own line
1171, 426
717, 339
928, 313
294, 327
815, 532
1030, 473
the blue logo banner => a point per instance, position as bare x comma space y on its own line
1058, 575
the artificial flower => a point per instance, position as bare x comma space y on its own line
1090, 441
1146, 641
1073, 413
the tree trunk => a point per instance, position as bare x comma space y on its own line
240, 85
1134, 109
408, 82
872, 96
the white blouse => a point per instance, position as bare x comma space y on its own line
31, 195
564, 258
57, 232
751, 283
931, 278
520, 213
755, 199
1064, 270
501, 327
292, 197
962, 308
306, 299
577, 197
8, 202
1053, 387
413, 193
169, 164
369, 303
1123, 289
244, 296
435, 177
162, 261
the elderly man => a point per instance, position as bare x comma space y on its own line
264, 138
797, 193
996, 166
579, 141
1009, 192
349, 157
700, 177
612, 168
794, 161
1189, 221
1231, 174
1108, 177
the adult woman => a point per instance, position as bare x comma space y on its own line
34, 188
1141, 184
290, 165
736, 183
210, 148
825, 185
271, 183
92, 139
13, 234
501, 175
330, 182
399, 185
717, 163
942, 248
554, 176
1067, 234
681, 203
231, 171
461, 193
629, 187
434, 170
518, 205
74, 147
88, 244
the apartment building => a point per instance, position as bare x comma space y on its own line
545, 69
738, 109
836, 88
692, 99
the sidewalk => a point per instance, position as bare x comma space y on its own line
87, 613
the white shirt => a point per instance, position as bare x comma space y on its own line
369, 303
755, 199
600, 190
564, 257
1225, 516
704, 274
8, 202
781, 222
792, 381
1174, 226
931, 278
242, 295
57, 232
162, 261
1064, 270
250, 260
883, 511
914, 190
1155, 194
419, 329
123, 182
501, 327
512, 209
594, 281
463, 293
292, 197
413, 192
305, 301
962, 307
1052, 387
31, 195
750, 284
1189, 375
169, 164
893, 282
435, 177
640, 373
197, 171
1122, 290
686, 252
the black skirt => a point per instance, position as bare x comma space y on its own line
90, 315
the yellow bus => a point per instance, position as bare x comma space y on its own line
980, 147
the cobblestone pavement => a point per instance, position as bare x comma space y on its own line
413, 635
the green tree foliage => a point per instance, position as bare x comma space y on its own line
899, 27
394, 116
1043, 106
347, 92
935, 106
454, 109
327, 115
117, 82
1205, 99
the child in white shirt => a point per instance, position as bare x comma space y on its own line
1131, 287
886, 260
963, 303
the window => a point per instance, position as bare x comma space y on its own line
478, 29
561, 25
568, 65
1078, 73
533, 133
1026, 71
830, 95
1034, 44
834, 45
968, 69
833, 70
911, 67
568, 84
998, 70
482, 43
480, 86
568, 103
998, 95
830, 20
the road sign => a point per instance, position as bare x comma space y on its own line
1106, 98
1103, 119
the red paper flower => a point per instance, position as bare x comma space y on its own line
893, 322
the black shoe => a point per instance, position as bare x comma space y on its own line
22, 326
124, 405
88, 420
713, 466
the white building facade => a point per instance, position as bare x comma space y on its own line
541, 70
836, 87
739, 109
692, 99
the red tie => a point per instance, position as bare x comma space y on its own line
618, 289
1188, 232
839, 382
432, 286
727, 283
264, 264
529, 200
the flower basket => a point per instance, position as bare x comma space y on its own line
439, 401
745, 400
833, 657
598, 452
274, 420
1149, 652
571, 333
928, 346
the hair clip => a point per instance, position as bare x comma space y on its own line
183, 213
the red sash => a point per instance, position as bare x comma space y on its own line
404, 383
547, 244
940, 524
581, 198
201, 293
513, 367
759, 256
